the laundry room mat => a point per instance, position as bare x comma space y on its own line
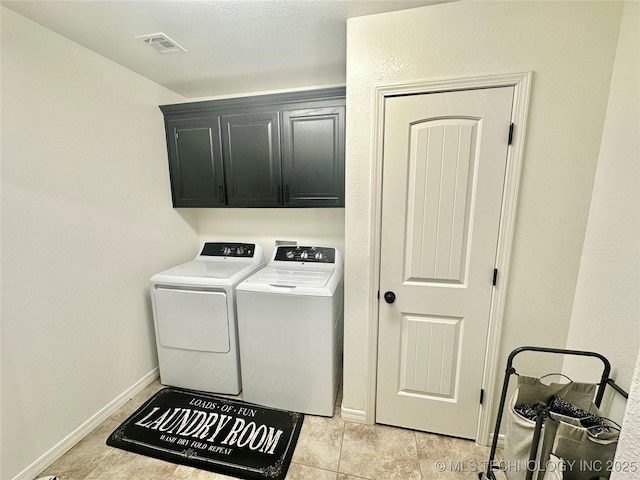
212, 433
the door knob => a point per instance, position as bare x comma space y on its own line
390, 297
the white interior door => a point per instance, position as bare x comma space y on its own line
443, 173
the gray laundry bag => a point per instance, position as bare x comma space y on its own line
573, 452
519, 430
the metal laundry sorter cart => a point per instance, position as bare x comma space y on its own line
543, 412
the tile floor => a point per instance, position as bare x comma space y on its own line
328, 449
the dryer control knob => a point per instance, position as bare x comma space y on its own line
304, 255
319, 256
290, 254
226, 250
240, 250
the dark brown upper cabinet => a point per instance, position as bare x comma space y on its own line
195, 162
313, 157
251, 152
281, 150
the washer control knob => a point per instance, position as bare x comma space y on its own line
226, 250
240, 250
304, 255
318, 256
290, 254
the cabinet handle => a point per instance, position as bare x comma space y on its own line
286, 194
221, 193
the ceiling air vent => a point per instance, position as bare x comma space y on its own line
161, 43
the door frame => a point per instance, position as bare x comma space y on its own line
521, 81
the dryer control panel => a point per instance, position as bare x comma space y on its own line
219, 249
305, 254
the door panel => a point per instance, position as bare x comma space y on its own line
443, 172
251, 145
440, 162
195, 162
313, 157
429, 361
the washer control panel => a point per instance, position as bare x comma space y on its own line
219, 249
305, 254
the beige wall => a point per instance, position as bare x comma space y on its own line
629, 444
606, 308
570, 47
306, 226
86, 220
623, 113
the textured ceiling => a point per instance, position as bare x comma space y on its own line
233, 46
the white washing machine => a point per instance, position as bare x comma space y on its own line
290, 328
194, 312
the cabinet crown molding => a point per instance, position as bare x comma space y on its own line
321, 95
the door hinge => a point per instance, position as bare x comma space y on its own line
378, 294
495, 276
510, 134
481, 395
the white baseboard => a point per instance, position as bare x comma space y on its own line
83, 430
352, 415
360, 416
500, 440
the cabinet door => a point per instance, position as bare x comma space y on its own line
313, 157
251, 146
195, 162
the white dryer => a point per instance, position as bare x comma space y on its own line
290, 328
194, 313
